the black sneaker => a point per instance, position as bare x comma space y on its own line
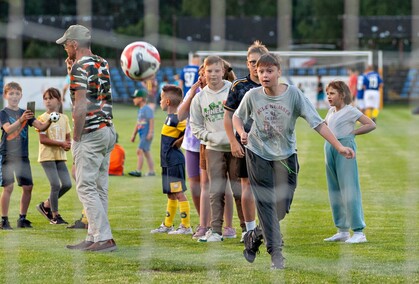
24, 223
58, 220
135, 173
252, 241
277, 261
5, 225
46, 212
78, 225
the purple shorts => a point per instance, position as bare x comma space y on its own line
192, 163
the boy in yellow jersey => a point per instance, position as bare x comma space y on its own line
173, 164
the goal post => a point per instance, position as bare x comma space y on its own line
303, 67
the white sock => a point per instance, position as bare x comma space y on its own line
250, 225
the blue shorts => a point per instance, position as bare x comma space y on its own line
173, 179
144, 143
19, 166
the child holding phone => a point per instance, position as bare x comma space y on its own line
14, 153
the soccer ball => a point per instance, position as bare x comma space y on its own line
54, 116
140, 60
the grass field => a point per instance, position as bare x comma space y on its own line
388, 161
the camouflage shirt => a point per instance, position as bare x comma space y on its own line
91, 73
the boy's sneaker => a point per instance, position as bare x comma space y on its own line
277, 261
242, 237
78, 224
200, 232
252, 241
229, 233
46, 212
5, 225
182, 230
24, 223
357, 238
150, 174
135, 173
58, 220
162, 229
211, 236
338, 237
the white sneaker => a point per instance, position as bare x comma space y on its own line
181, 230
357, 238
211, 236
339, 237
162, 229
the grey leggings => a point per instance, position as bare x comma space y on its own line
59, 179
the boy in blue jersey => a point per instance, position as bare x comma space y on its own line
173, 164
145, 130
372, 84
360, 93
190, 73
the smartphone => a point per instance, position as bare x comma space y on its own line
31, 106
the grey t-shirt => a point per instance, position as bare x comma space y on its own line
342, 122
272, 135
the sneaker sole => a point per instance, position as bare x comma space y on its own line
188, 233
197, 237
360, 242
230, 237
336, 241
109, 249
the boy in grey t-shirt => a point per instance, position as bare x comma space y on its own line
271, 151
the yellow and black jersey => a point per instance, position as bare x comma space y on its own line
172, 130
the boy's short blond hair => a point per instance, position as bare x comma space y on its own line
12, 85
257, 47
213, 59
174, 94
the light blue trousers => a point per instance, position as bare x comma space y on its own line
344, 189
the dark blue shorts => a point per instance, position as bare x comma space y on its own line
19, 166
173, 179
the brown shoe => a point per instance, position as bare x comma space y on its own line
103, 246
81, 246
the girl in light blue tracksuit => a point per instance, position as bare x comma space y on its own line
342, 174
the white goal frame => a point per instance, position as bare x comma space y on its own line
308, 81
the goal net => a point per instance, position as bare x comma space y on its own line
302, 68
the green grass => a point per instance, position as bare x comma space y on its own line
388, 163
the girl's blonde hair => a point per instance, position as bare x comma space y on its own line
342, 89
228, 72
